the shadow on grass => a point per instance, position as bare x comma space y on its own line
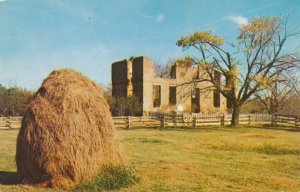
7, 130
212, 128
9, 178
280, 127
228, 128
208, 128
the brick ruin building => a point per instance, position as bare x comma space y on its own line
137, 76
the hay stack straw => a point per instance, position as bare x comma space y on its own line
67, 133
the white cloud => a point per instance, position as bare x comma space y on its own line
239, 20
2, 1
160, 18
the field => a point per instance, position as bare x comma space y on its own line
212, 158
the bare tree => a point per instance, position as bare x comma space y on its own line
164, 71
254, 61
13, 100
275, 96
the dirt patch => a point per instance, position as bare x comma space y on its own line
259, 136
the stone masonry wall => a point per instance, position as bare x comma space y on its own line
138, 76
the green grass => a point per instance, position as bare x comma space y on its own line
211, 158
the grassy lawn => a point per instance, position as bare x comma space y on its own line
212, 158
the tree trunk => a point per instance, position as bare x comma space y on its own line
235, 115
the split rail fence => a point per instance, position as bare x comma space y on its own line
286, 119
185, 120
160, 120
10, 122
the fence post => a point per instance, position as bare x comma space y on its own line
274, 116
249, 119
127, 122
162, 122
174, 117
194, 122
222, 120
8, 122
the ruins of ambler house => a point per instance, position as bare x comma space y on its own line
137, 76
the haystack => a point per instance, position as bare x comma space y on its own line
67, 133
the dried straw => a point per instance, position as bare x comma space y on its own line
67, 133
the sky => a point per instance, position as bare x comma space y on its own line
38, 36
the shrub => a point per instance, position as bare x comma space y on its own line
123, 106
110, 178
129, 106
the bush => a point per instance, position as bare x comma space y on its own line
129, 106
124, 106
110, 178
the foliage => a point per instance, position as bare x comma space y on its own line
200, 37
130, 106
13, 100
260, 30
249, 66
110, 178
187, 61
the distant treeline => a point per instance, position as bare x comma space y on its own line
13, 100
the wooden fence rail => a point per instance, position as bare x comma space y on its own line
173, 120
185, 120
286, 119
10, 122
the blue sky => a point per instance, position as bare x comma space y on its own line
37, 36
